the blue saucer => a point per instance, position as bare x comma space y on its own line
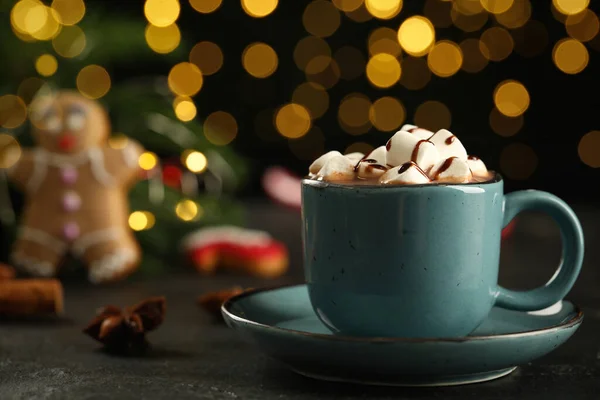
282, 323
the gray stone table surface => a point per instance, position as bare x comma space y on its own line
194, 357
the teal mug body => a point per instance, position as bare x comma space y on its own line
420, 260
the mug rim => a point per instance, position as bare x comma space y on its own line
322, 184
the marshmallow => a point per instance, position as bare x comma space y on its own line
418, 132
373, 165
477, 166
404, 147
405, 174
316, 166
355, 157
448, 145
337, 168
452, 170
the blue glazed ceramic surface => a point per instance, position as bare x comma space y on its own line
420, 260
282, 323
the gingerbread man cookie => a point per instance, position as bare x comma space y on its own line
76, 191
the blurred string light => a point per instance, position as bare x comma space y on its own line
312, 96
29, 87
473, 58
415, 73
360, 14
259, 60
570, 56
589, 149
324, 71
351, 62
33, 19
141, 220
387, 114
445, 58
293, 120
383, 70
70, 11
148, 161
416, 35
467, 7
496, 6
13, 111
205, 6
347, 5
570, 7
194, 160
10, 151
93, 81
163, 40
516, 16
438, 12
531, 39
583, 26
188, 210
511, 98
518, 161
383, 9
353, 114
384, 40
46, 65
309, 146
321, 18
496, 43
207, 56
468, 22
309, 48
220, 128
185, 109
360, 147
70, 42
259, 8
503, 125
185, 79
433, 115
162, 13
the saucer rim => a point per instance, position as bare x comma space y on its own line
226, 306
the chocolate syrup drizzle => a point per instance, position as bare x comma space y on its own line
415, 152
450, 139
372, 164
404, 167
388, 145
473, 158
444, 167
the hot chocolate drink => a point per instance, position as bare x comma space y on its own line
412, 155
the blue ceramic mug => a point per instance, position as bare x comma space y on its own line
421, 260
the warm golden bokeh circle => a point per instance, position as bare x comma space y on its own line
383, 9
259, 8
70, 11
511, 98
518, 161
194, 160
416, 35
445, 58
205, 6
184, 108
260, 60
583, 26
468, 22
570, 7
292, 120
220, 128
10, 150
384, 40
589, 149
570, 56
323, 71
309, 48
46, 65
496, 43
353, 114
93, 81
516, 16
185, 79
383, 70
497, 6
312, 96
473, 58
347, 5
503, 125
321, 18
70, 42
387, 114
162, 12
433, 115
207, 56
162, 40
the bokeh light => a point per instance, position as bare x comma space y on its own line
518, 161
438, 12
185, 79
310, 146
516, 16
321, 18
70, 11
312, 96
511, 98
433, 115
416, 35
360, 14
496, 43
292, 120
415, 73
496, 6
503, 125
10, 150
13, 111
323, 71
445, 58
185, 109
259, 8
46, 65
220, 128
194, 160
353, 114
387, 114
162, 12
351, 62
308, 49
29, 87
163, 40
70, 42
473, 58
141, 220
570, 7
51, 27
468, 22
347, 5
207, 56
383, 9
359, 147
531, 39
467, 7
148, 161
93, 81
259, 60
205, 6
383, 70
589, 149
583, 26
570, 56
188, 210
384, 40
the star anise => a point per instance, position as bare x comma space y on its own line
124, 331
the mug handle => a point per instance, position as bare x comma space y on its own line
572, 251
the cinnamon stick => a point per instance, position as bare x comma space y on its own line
31, 297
